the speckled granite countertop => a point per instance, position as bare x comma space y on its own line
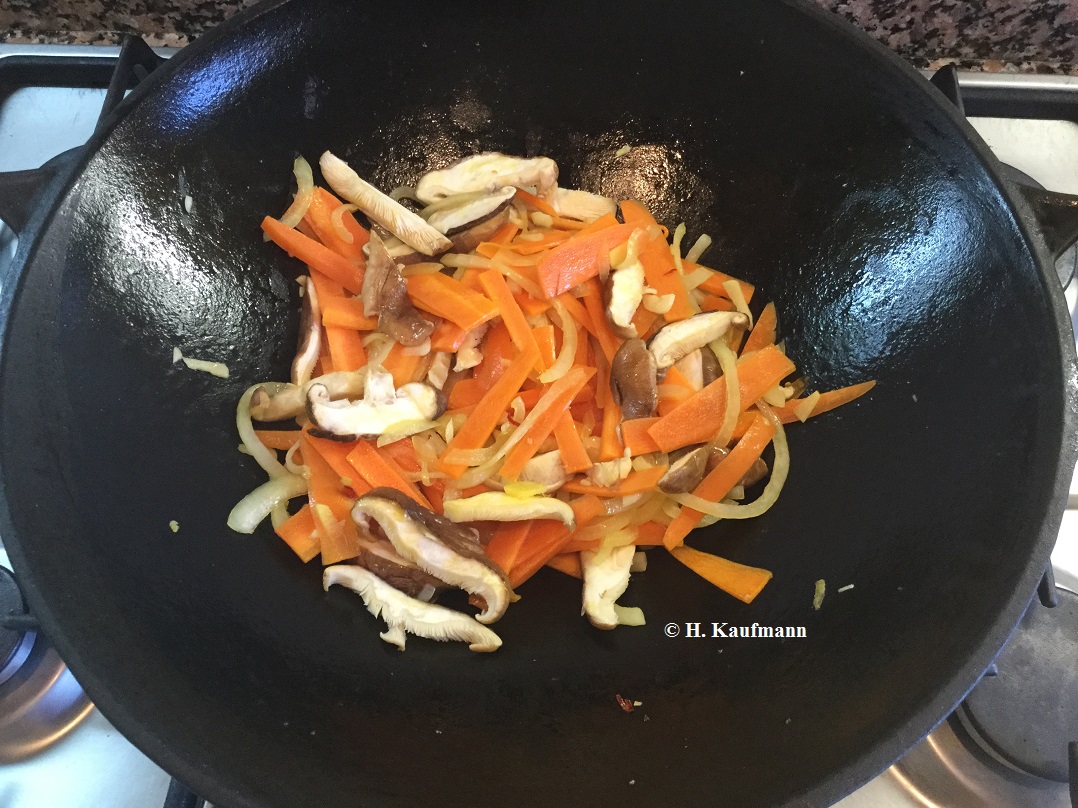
1025, 35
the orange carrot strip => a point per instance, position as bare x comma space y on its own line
562, 223
579, 258
315, 255
504, 546
465, 393
587, 508
577, 545
450, 299
403, 367
435, 492
715, 281
635, 435
447, 337
826, 402
346, 312
697, 418
505, 234
345, 348
610, 447
379, 470
763, 332
739, 580
529, 305
545, 540
320, 218
326, 287
650, 534
577, 311
593, 302
560, 394
535, 203
498, 354
604, 222
662, 275
574, 457
280, 439
544, 339
339, 540
715, 303
673, 391
643, 320
476, 430
299, 533
638, 482
722, 478
569, 563
552, 238
335, 455
493, 283
635, 213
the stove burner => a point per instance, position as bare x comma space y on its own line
40, 701
1026, 716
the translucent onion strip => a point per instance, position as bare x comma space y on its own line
264, 456
304, 192
697, 250
256, 506
771, 491
675, 248
728, 362
733, 289
337, 220
569, 341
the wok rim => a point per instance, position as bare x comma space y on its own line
838, 783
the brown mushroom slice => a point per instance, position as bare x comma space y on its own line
409, 227
398, 573
623, 293
385, 294
310, 334
487, 172
757, 471
404, 614
450, 220
278, 402
437, 546
606, 577
633, 380
687, 468
471, 237
581, 205
382, 408
677, 339
709, 365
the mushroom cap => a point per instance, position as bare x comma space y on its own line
687, 469
606, 577
381, 409
677, 339
633, 379
487, 172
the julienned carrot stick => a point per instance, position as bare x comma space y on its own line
504, 546
635, 213
475, 431
661, 274
545, 540
299, 533
569, 563
560, 394
827, 401
577, 311
697, 419
498, 354
335, 455
529, 305
535, 203
650, 534
506, 233
280, 439
604, 222
337, 533
722, 478
635, 436
452, 300
637, 482
714, 284
345, 348
674, 389
315, 255
574, 457
715, 303
320, 218
587, 508
544, 338
610, 447
741, 581
465, 393
378, 470
764, 332
346, 312
593, 303
578, 259
497, 290
404, 367
447, 337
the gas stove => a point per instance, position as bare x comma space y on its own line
1005, 746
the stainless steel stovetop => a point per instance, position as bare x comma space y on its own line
1030, 122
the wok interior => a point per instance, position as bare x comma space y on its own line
824, 179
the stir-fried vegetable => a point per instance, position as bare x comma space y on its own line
510, 378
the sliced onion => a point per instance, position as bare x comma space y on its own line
675, 248
733, 288
304, 192
425, 268
256, 506
569, 341
422, 349
771, 491
401, 430
337, 220
698, 249
697, 277
659, 304
733, 392
290, 461
264, 456
403, 192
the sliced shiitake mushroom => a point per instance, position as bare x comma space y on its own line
677, 339
633, 380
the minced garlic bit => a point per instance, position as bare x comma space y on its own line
187, 203
845, 588
624, 150
174, 526
176, 355
219, 369
821, 590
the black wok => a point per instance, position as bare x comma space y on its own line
829, 174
